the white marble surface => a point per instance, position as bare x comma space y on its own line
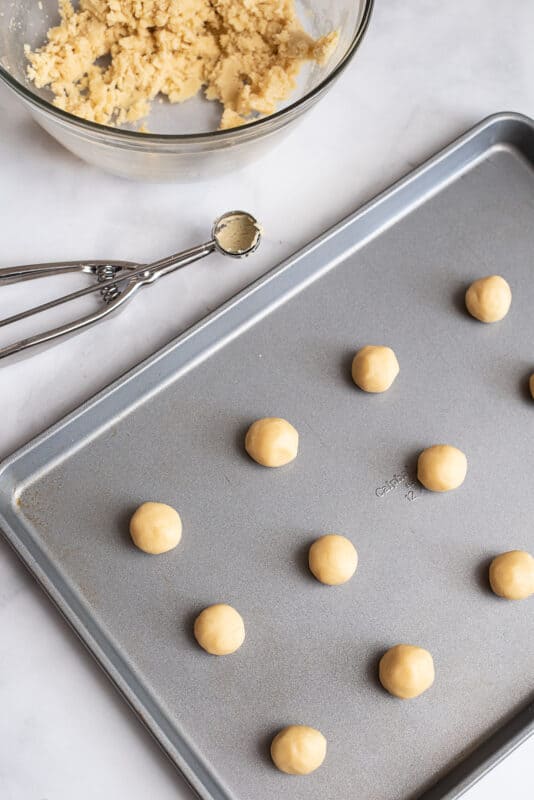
426, 72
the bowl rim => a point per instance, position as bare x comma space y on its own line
230, 133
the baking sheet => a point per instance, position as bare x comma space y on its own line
172, 430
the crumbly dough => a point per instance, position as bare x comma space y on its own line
272, 442
511, 575
220, 629
155, 528
333, 559
441, 468
247, 55
489, 299
406, 671
298, 749
374, 368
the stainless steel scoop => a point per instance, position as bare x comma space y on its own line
236, 234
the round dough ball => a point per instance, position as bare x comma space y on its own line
489, 299
374, 368
272, 442
220, 629
333, 559
511, 575
155, 528
531, 384
298, 749
406, 671
441, 468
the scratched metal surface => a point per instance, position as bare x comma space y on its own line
310, 653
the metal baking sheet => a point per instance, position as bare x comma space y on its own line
172, 430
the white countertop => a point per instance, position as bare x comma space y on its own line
426, 72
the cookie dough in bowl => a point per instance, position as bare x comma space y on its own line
156, 528
245, 55
298, 750
489, 299
333, 559
406, 671
374, 368
177, 141
441, 468
272, 442
220, 629
511, 575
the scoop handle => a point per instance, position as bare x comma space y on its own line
70, 327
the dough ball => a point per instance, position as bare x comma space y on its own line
531, 384
272, 442
441, 468
220, 629
374, 368
298, 749
406, 671
511, 575
155, 528
333, 559
489, 299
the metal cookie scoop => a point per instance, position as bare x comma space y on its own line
236, 234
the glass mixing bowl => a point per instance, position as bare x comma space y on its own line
175, 149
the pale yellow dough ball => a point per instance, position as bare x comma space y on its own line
272, 442
333, 559
441, 468
531, 384
406, 671
298, 749
220, 629
511, 575
155, 528
374, 368
489, 299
